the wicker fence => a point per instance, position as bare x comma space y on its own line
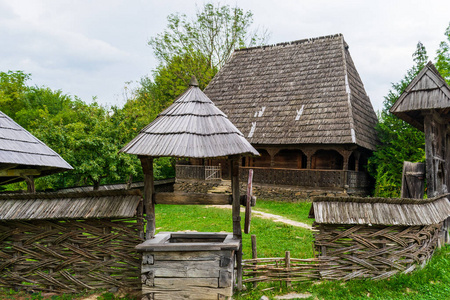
346, 252
69, 255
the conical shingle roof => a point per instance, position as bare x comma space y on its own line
19, 149
191, 127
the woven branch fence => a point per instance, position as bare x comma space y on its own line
346, 252
70, 255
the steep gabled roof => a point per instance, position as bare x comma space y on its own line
191, 127
427, 91
20, 150
302, 92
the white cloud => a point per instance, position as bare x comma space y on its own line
90, 48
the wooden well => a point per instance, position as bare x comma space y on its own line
202, 263
191, 265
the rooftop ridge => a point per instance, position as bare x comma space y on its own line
296, 42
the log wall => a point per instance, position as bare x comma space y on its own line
67, 256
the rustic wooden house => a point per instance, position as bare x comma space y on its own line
303, 106
23, 156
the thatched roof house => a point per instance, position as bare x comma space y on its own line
301, 104
22, 154
191, 127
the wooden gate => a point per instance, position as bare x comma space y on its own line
213, 172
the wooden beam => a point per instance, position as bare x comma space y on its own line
236, 209
180, 198
7, 166
149, 191
19, 172
31, 189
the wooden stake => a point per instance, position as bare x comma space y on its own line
237, 231
287, 260
254, 256
149, 191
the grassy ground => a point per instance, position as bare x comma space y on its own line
273, 239
297, 211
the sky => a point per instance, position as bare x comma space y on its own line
98, 49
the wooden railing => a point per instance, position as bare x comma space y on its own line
198, 172
307, 177
295, 177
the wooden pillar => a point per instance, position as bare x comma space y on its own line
237, 231
149, 191
31, 189
346, 157
309, 154
429, 137
272, 153
357, 156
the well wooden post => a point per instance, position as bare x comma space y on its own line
149, 191
237, 231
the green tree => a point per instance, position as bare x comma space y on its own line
12, 91
443, 56
399, 140
214, 32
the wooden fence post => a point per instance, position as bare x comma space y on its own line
287, 260
254, 256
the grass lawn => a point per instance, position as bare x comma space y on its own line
272, 239
297, 211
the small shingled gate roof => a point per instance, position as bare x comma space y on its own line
19, 149
427, 91
301, 92
80, 205
191, 127
380, 211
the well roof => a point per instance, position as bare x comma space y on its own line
380, 211
191, 127
302, 92
427, 91
19, 149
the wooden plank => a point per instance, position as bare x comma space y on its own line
193, 256
180, 198
187, 288
176, 269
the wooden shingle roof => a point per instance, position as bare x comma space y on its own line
302, 92
427, 91
19, 149
380, 211
85, 205
191, 127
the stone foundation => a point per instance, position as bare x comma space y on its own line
267, 192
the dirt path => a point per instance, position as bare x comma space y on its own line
275, 218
